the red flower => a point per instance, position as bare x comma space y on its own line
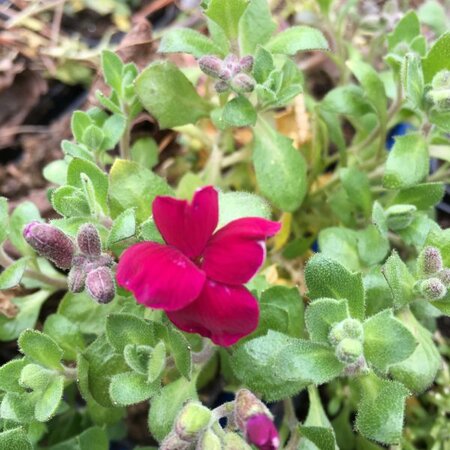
261, 432
198, 276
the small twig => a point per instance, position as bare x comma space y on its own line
56, 24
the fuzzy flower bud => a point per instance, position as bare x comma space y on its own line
400, 216
51, 243
89, 241
231, 62
440, 92
209, 441
243, 83
441, 80
100, 285
261, 432
246, 406
174, 442
211, 65
348, 328
232, 441
444, 276
76, 279
221, 86
429, 261
348, 351
433, 289
191, 421
357, 368
246, 63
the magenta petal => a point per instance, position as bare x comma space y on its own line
187, 226
159, 276
221, 312
261, 432
235, 253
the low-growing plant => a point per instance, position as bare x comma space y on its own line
163, 288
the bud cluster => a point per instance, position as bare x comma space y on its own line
439, 95
89, 267
347, 337
232, 72
434, 279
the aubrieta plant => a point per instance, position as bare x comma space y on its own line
164, 289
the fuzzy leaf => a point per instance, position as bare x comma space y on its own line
12, 275
130, 387
239, 112
41, 348
423, 196
15, 439
124, 227
227, 14
437, 58
297, 39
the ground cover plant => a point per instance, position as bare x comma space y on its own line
281, 280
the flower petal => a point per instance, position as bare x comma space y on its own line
159, 276
223, 313
187, 226
235, 253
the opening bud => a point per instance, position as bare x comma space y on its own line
400, 216
211, 65
192, 420
429, 261
348, 351
247, 405
243, 83
209, 441
444, 276
347, 329
51, 243
100, 285
433, 289
89, 241
76, 279
261, 432
246, 63
174, 442
232, 441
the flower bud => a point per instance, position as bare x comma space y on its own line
221, 86
100, 285
211, 65
357, 368
348, 351
51, 243
209, 441
76, 279
246, 63
439, 95
261, 432
174, 442
399, 217
348, 328
441, 80
89, 241
246, 406
231, 62
192, 420
444, 276
232, 441
225, 74
243, 83
433, 289
429, 261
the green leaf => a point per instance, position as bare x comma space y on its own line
66, 334
4, 219
137, 357
181, 352
113, 129
255, 27
419, 370
93, 137
412, 80
166, 405
297, 39
29, 307
25, 213
386, 341
124, 329
407, 28
41, 348
12, 275
373, 246
346, 100
322, 438
49, 399
10, 374
327, 278
280, 168
381, 409
227, 14
400, 281
185, 40
56, 172
263, 65
437, 58
407, 163
124, 227
156, 363
322, 314
94, 438
134, 186
77, 151
239, 112
281, 310
70, 201
169, 96
112, 67
15, 439
145, 152
441, 240
149, 232
79, 123
423, 196
130, 387
357, 186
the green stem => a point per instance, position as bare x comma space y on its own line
124, 144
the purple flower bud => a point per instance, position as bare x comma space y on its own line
261, 432
221, 86
246, 63
232, 62
433, 289
174, 442
225, 74
444, 276
76, 279
211, 65
246, 406
51, 243
430, 261
100, 285
357, 368
89, 241
243, 83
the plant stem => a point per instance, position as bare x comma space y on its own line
205, 354
124, 144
